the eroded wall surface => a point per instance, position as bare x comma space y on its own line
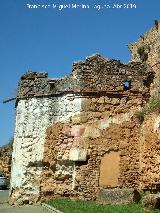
101, 128
93, 102
147, 50
5, 160
150, 152
135, 146
33, 117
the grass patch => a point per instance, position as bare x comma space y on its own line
152, 106
69, 206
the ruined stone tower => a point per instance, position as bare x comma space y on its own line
67, 129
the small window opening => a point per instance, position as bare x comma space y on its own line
127, 85
52, 86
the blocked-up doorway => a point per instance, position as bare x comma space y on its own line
110, 169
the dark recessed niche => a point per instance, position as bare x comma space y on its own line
127, 85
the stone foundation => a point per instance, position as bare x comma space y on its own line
118, 196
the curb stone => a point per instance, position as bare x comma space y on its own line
50, 208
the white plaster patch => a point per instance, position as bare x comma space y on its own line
157, 123
33, 117
118, 119
77, 154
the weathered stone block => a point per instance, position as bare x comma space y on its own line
77, 131
77, 154
91, 132
118, 196
151, 201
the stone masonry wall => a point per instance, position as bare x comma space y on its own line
93, 96
33, 117
150, 152
138, 145
147, 50
95, 74
105, 124
5, 159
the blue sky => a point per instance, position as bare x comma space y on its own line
51, 40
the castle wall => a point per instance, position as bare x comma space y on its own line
136, 146
150, 152
149, 42
5, 159
87, 103
105, 125
33, 117
147, 50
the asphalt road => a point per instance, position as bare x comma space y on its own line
5, 208
4, 196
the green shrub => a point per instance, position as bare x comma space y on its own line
140, 50
142, 53
140, 116
152, 106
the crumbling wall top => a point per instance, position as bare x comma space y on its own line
34, 75
147, 46
95, 74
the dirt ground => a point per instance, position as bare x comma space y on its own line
6, 208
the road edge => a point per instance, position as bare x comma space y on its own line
50, 208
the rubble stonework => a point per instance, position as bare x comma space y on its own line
33, 117
83, 179
96, 74
147, 50
70, 131
137, 144
5, 159
150, 152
